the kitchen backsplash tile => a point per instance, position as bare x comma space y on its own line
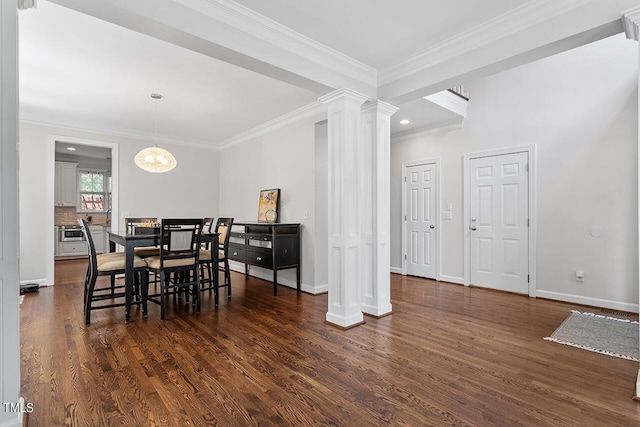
69, 216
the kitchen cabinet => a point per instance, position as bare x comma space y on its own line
77, 248
66, 184
97, 233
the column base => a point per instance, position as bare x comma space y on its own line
377, 312
344, 322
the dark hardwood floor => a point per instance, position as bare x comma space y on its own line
448, 355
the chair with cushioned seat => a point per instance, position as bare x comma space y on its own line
135, 225
110, 264
223, 228
206, 280
177, 265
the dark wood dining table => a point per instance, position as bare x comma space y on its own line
129, 241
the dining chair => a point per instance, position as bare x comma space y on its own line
110, 264
136, 225
206, 261
223, 228
207, 226
177, 264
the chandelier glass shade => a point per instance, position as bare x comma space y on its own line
155, 159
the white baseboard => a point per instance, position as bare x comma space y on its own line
396, 270
267, 275
451, 279
41, 282
596, 302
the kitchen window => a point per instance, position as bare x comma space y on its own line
94, 191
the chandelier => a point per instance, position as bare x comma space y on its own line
155, 159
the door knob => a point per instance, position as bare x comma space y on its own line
432, 226
472, 228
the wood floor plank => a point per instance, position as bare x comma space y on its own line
448, 355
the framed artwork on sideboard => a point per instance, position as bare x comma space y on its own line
268, 205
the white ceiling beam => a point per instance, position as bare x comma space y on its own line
229, 32
494, 47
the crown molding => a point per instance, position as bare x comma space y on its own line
380, 107
343, 94
631, 23
313, 109
140, 136
529, 14
259, 26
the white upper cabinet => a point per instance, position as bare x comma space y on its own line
66, 184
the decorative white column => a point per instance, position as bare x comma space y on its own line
631, 24
375, 202
344, 215
10, 410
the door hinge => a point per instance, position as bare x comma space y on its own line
405, 217
528, 222
526, 167
405, 178
405, 257
528, 278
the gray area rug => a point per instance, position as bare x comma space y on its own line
600, 334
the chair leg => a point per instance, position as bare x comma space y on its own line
113, 284
210, 273
196, 294
87, 279
164, 281
87, 305
145, 291
216, 285
136, 286
227, 277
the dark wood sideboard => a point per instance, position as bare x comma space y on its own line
267, 245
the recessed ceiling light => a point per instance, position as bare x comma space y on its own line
71, 148
405, 122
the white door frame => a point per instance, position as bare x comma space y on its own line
405, 165
51, 156
531, 150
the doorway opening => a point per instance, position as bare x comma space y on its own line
95, 160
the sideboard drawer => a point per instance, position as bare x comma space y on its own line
260, 258
237, 254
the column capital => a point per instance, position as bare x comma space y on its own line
380, 106
343, 94
631, 23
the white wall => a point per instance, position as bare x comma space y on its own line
321, 218
9, 289
190, 190
580, 108
281, 159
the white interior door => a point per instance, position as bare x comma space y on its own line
421, 220
499, 231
